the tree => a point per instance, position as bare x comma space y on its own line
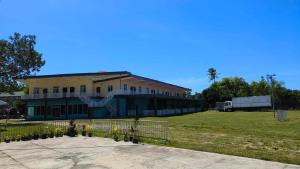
18, 59
212, 74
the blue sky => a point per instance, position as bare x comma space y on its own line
170, 40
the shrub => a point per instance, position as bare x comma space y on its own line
90, 130
116, 134
83, 130
59, 132
7, 139
18, 137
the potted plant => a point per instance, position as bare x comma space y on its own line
59, 132
35, 135
51, 134
29, 137
126, 138
83, 130
23, 137
116, 134
7, 139
18, 137
13, 138
90, 131
72, 132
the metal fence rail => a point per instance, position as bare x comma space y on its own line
141, 128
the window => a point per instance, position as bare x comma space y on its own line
65, 90
45, 91
55, 90
75, 109
147, 90
63, 110
125, 87
82, 89
110, 88
85, 109
98, 91
152, 91
36, 91
70, 109
80, 109
157, 91
133, 89
140, 89
72, 89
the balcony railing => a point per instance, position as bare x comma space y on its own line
55, 95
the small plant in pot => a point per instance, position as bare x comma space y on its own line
35, 135
51, 134
72, 132
126, 138
18, 137
90, 131
59, 132
116, 134
29, 137
83, 133
45, 133
24, 137
7, 139
13, 138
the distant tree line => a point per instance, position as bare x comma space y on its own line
229, 87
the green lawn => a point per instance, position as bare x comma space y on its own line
249, 134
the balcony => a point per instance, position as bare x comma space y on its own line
54, 96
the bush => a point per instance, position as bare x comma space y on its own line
59, 132
90, 131
116, 134
7, 139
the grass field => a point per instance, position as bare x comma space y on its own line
249, 134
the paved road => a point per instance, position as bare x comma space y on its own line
84, 152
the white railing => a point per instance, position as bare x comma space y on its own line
55, 95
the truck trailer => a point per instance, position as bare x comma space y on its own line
245, 103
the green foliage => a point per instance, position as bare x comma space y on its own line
212, 74
116, 134
237, 87
18, 59
59, 132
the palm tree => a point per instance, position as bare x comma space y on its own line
212, 74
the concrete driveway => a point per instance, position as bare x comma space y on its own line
84, 152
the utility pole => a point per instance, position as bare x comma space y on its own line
271, 80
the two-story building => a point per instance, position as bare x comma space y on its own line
104, 95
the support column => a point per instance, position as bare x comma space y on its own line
155, 106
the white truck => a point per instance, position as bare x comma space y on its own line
245, 103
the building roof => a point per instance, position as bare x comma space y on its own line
77, 74
127, 74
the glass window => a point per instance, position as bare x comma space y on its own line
152, 91
98, 90
36, 90
147, 90
72, 89
80, 109
45, 90
125, 87
70, 109
110, 88
140, 89
82, 89
55, 90
85, 109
